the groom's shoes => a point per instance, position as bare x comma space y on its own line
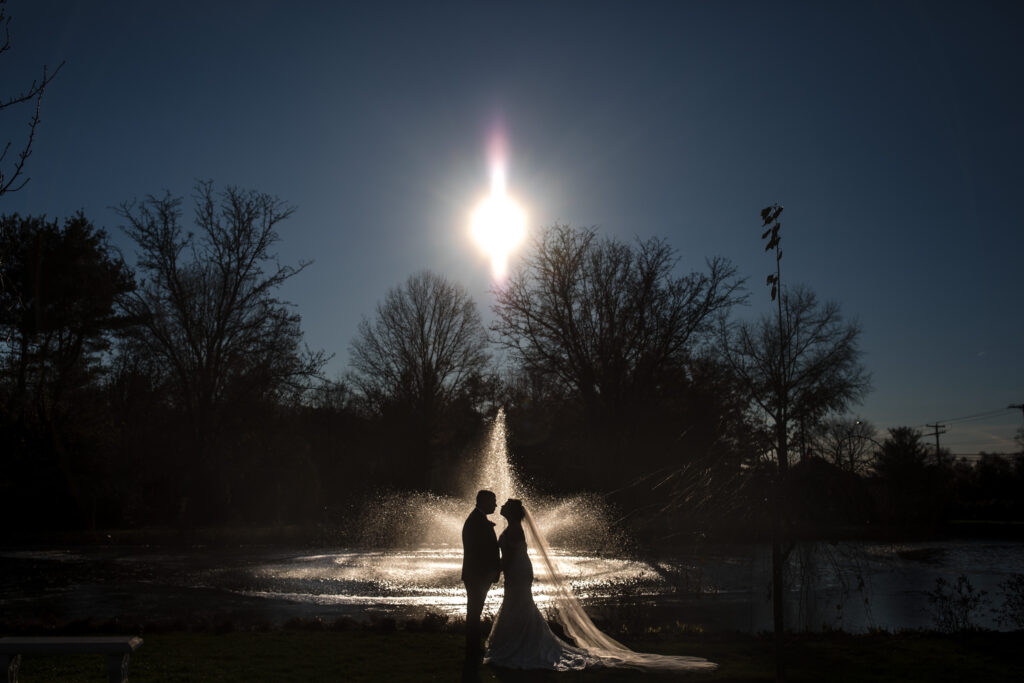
474, 650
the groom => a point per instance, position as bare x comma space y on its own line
481, 563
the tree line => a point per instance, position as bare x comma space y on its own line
179, 391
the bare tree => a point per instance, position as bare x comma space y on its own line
606, 320
796, 367
13, 179
425, 347
206, 310
801, 372
846, 442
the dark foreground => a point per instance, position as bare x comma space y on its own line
401, 655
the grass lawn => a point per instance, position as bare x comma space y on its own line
364, 655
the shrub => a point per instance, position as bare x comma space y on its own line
1011, 612
952, 606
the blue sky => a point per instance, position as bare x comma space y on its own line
892, 132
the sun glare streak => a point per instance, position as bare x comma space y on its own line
498, 225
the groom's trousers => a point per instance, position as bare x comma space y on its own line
476, 594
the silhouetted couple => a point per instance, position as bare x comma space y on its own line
520, 637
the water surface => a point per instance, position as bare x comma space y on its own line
854, 586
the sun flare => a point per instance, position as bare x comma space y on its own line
498, 225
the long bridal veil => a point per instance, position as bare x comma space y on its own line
578, 626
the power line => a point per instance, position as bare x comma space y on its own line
986, 418
990, 413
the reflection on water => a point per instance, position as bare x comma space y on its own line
429, 579
854, 586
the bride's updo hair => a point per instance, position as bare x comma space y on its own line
514, 508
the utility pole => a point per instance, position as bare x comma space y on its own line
1015, 406
937, 427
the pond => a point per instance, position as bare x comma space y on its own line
853, 586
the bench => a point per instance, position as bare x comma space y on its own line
116, 648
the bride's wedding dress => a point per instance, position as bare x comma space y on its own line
521, 638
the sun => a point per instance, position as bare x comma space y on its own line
498, 225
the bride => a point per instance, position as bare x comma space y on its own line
521, 638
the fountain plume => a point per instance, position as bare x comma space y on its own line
495, 472
412, 519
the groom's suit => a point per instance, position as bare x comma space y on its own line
481, 565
